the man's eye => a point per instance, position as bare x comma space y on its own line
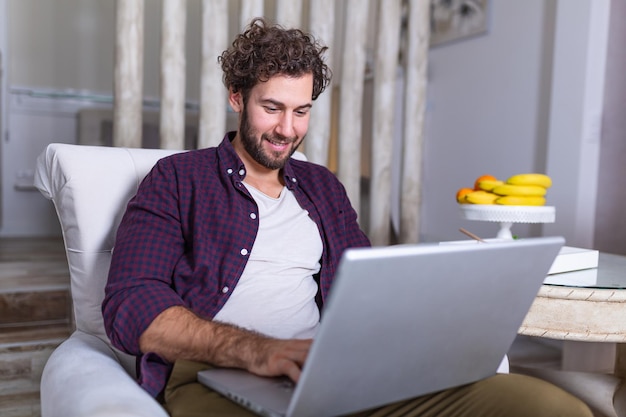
271, 109
302, 112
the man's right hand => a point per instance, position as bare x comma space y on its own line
281, 357
177, 333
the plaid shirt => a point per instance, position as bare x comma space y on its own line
186, 236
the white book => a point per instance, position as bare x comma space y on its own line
582, 278
574, 259
569, 259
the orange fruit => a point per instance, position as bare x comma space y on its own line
460, 195
485, 177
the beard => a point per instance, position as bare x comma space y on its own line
254, 147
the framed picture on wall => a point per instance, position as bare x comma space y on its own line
453, 20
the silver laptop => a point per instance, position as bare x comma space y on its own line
403, 321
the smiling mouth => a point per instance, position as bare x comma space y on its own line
277, 143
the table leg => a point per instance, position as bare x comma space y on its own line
619, 399
589, 357
620, 360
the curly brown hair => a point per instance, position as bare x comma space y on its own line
263, 51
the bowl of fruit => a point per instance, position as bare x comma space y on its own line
520, 198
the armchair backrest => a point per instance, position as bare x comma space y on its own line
90, 187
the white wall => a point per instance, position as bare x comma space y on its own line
3, 86
576, 117
64, 47
46, 51
69, 44
526, 97
492, 105
487, 112
610, 229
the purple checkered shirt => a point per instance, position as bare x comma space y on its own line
185, 239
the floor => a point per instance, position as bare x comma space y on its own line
35, 317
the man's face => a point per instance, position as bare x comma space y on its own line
275, 119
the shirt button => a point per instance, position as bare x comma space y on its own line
225, 290
229, 171
253, 216
294, 180
242, 171
244, 252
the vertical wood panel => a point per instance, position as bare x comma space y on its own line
213, 98
385, 75
351, 99
418, 33
249, 10
172, 115
128, 74
322, 25
289, 13
213, 103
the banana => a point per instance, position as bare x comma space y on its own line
516, 200
520, 190
541, 180
480, 197
488, 185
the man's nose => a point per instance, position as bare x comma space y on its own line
285, 125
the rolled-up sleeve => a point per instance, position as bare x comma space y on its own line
148, 245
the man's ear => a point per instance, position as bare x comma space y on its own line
235, 100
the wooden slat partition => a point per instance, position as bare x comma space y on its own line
128, 74
322, 25
385, 79
289, 13
249, 10
173, 64
418, 35
351, 99
213, 95
349, 82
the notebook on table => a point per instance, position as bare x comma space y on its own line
403, 321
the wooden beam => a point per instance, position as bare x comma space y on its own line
128, 74
173, 64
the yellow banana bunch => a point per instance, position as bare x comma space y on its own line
541, 180
518, 190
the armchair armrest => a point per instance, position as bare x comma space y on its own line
83, 377
504, 365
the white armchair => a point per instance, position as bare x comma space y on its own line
90, 186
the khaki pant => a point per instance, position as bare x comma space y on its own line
503, 395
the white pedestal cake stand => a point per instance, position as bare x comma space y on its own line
507, 215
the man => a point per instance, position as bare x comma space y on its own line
226, 255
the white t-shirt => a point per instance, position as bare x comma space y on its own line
276, 292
